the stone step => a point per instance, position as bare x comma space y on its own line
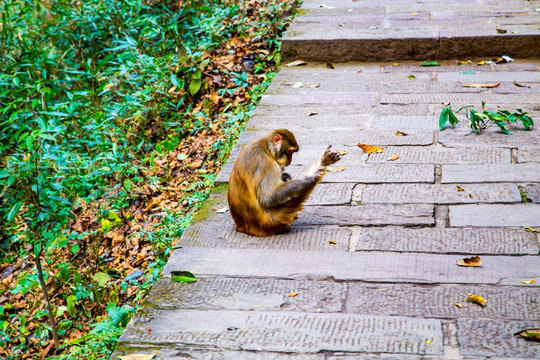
368, 31
285, 332
495, 215
491, 173
422, 301
351, 266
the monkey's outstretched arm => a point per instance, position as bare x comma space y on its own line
288, 190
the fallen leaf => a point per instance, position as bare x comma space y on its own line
470, 195
137, 356
470, 262
342, 152
297, 63
493, 85
333, 242
373, 27
481, 63
464, 62
414, 13
530, 229
429, 341
520, 85
370, 149
338, 169
326, 6
297, 85
330, 65
430, 63
312, 86
528, 282
458, 305
502, 31
459, 188
395, 64
400, 133
393, 157
293, 294
183, 276
313, 113
222, 210
529, 334
360, 71
412, 77
477, 299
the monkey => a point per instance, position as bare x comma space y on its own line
263, 199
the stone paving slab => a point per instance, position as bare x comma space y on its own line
286, 332
490, 138
442, 155
527, 154
503, 302
490, 173
416, 214
457, 99
496, 338
297, 111
306, 122
473, 241
532, 192
368, 173
348, 266
495, 215
248, 295
436, 194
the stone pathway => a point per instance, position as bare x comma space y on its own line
372, 258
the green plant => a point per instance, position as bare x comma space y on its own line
478, 121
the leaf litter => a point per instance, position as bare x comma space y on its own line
474, 261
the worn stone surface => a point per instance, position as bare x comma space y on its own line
495, 215
474, 241
527, 154
491, 138
490, 173
437, 301
306, 122
531, 192
442, 155
286, 332
437, 194
418, 214
457, 99
365, 266
331, 194
247, 295
501, 341
368, 173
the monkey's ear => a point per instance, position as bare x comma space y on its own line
277, 140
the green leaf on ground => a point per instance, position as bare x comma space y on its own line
430, 63
183, 276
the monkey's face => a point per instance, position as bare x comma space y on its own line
289, 154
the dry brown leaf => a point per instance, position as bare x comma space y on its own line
393, 157
312, 86
312, 113
137, 356
502, 31
458, 305
333, 242
470, 262
343, 152
297, 63
370, 149
330, 65
337, 169
470, 195
493, 85
529, 334
528, 282
293, 294
477, 299
400, 133
520, 85
359, 71
459, 188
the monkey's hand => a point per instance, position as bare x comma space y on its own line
330, 157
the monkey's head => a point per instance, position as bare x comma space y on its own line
284, 146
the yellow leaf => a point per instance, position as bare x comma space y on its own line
292, 294
395, 64
528, 282
297, 63
338, 169
493, 85
459, 188
477, 299
470, 195
393, 157
529, 334
414, 13
330, 65
464, 62
530, 229
458, 305
312, 86
333, 242
370, 149
481, 63
470, 262
399, 133
137, 357
501, 31
343, 152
